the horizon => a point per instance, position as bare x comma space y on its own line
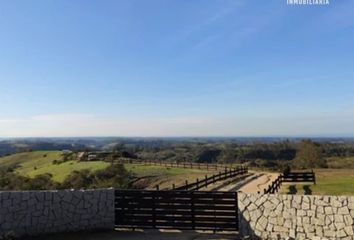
185, 137
232, 68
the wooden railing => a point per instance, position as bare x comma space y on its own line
274, 186
290, 177
201, 183
204, 166
300, 177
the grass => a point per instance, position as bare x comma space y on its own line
39, 162
29, 159
328, 182
61, 171
141, 170
34, 163
340, 162
164, 176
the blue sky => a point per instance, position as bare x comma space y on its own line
176, 68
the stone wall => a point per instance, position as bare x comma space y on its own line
296, 216
39, 212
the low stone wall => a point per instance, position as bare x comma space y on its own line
39, 212
296, 216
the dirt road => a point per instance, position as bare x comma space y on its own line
260, 183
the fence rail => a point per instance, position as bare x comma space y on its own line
194, 210
290, 177
300, 177
204, 166
198, 184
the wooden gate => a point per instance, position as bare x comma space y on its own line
195, 210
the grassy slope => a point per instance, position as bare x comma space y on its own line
141, 170
165, 176
62, 170
329, 182
34, 163
30, 160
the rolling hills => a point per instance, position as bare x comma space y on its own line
35, 163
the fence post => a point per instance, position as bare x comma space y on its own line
173, 186
197, 183
206, 181
157, 187
186, 185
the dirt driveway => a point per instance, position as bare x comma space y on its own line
259, 183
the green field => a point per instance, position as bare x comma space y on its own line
328, 182
39, 162
34, 163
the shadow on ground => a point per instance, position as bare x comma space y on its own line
140, 235
292, 189
307, 190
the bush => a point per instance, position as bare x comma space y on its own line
14, 181
113, 176
78, 179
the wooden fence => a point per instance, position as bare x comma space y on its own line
299, 177
198, 184
194, 210
290, 177
204, 166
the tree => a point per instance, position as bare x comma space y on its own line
308, 155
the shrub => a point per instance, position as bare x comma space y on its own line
78, 179
113, 176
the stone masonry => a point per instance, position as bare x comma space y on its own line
28, 213
296, 216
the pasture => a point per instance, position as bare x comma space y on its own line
329, 182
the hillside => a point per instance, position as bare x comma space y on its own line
38, 162
34, 163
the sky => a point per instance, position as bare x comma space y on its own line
176, 68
